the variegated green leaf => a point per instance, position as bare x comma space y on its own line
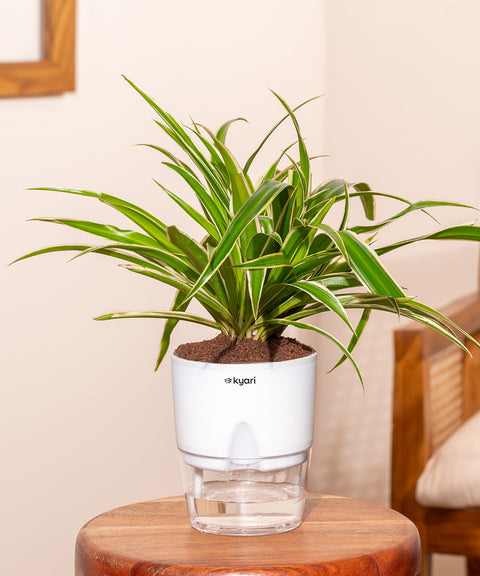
465, 232
412, 208
224, 128
252, 208
325, 296
362, 323
270, 132
104, 230
304, 159
174, 314
368, 266
302, 325
196, 216
179, 305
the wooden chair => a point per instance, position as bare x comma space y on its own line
436, 388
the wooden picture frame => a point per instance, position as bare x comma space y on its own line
55, 72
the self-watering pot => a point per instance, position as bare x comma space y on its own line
244, 432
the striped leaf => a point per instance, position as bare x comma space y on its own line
367, 266
172, 314
254, 206
325, 296
104, 230
412, 208
465, 232
302, 325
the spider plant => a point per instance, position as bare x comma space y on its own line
268, 259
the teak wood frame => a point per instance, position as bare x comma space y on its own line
443, 531
55, 72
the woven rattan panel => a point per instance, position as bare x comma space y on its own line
446, 394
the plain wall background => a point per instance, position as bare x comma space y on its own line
85, 423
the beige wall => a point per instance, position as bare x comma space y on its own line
85, 423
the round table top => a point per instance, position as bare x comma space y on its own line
339, 536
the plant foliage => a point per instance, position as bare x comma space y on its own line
267, 259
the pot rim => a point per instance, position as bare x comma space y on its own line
223, 366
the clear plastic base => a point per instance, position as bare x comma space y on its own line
245, 502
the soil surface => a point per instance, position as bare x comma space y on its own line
226, 350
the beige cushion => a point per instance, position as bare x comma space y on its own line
451, 478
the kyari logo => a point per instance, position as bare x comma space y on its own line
241, 381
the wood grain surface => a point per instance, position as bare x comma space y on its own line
55, 72
339, 536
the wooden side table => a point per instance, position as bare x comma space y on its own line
339, 537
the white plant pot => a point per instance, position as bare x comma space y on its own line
244, 432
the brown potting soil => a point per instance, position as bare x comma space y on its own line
226, 350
